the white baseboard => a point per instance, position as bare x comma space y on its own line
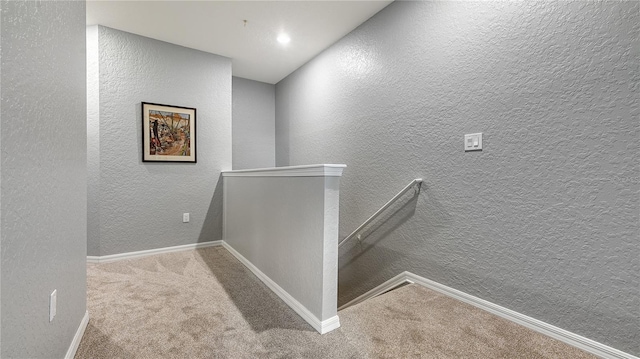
329, 324
138, 254
578, 341
75, 343
321, 326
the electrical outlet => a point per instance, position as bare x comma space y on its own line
185, 218
52, 304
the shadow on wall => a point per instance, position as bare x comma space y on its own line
259, 306
212, 226
351, 279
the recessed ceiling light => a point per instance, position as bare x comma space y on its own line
284, 38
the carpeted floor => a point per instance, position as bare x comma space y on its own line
206, 304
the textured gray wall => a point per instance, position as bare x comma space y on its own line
286, 227
141, 204
544, 220
43, 195
254, 117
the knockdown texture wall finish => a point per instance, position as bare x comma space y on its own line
43, 195
543, 220
253, 124
141, 204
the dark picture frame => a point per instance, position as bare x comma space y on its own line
168, 133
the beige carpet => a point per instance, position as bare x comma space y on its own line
206, 304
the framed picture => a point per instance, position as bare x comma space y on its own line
168, 133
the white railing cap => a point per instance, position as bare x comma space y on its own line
321, 170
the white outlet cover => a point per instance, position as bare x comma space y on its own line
185, 217
52, 304
473, 142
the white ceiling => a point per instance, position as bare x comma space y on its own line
218, 27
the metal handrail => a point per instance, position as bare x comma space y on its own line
417, 181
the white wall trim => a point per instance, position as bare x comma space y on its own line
330, 324
539, 326
322, 170
321, 326
149, 252
75, 343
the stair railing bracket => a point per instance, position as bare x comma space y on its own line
415, 184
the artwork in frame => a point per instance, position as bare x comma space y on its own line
168, 133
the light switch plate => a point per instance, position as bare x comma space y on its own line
473, 142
